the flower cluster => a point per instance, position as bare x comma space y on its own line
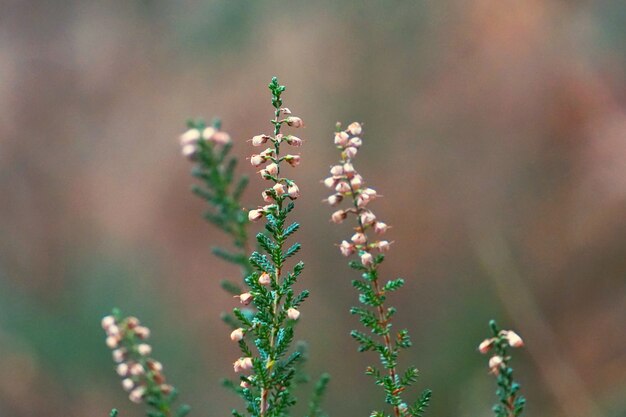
142, 376
511, 404
348, 184
189, 141
270, 160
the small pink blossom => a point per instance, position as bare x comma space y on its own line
293, 160
128, 384
486, 345
237, 335
221, 138
346, 248
265, 279
122, 369
190, 137
293, 314
495, 363
208, 133
242, 364
383, 245
112, 342
137, 369
294, 121
514, 339
259, 140
254, 215
351, 152
367, 217
355, 142
137, 394
189, 151
367, 259
272, 169
330, 182
334, 199
341, 139
293, 191
144, 349
336, 171
279, 189
142, 332
339, 216
256, 160
354, 128
359, 238
245, 298
107, 322
356, 182
380, 227
343, 187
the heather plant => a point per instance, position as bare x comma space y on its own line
374, 313
269, 365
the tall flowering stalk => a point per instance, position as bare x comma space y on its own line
375, 315
267, 375
142, 376
510, 404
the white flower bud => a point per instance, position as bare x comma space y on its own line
383, 245
137, 394
136, 369
144, 349
237, 335
259, 140
294, 121
128, 384
122, 369
380, 227
244, 384
118, 355
341, 139
351, 152
107, 322
189, 152
346, 248
142, 332
242, 364
190, 137
348, 169
367, 259
256, 160
339, 216
334, 199
514, 339
112, 342
355, 142
336, 171
359, 238
293, 191
272, 169
367, 217
495, 362
343, 187
293, 140
293, 314
330, 182
207, 134
113, 330
354, 128
285, 110
254, 215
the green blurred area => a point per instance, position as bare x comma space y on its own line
495, 130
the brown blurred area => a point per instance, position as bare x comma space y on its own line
496, 130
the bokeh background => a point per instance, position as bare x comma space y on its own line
496, 131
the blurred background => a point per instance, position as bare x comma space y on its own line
496, 130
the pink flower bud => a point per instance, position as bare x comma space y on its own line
136, 369
221, 138
293, 191
122, 369
113, 330
268, 153
339, 216
485, 345
383, 245
359, 238
341, 139
336, 171
190, 137
237, 335
242, 364
330, 182
293, 314
137, 394
265, 279
370, 192
351, 152
245, 298
132, 322
254, 215
380, 227
293, 140
285, 110
334, 199
294, 121
112, 342
256, 160
267, 197
166, 389
367, 217
293, 160
107, 322
355, 142
514, 339
207, 134
279, 189
142, 332
144, 349
356, 182
354, 128
367, 259
495, 363
259, 140
343, 187
244, 384
118, 355
272, 169
346, 248
362, 199
128, 384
